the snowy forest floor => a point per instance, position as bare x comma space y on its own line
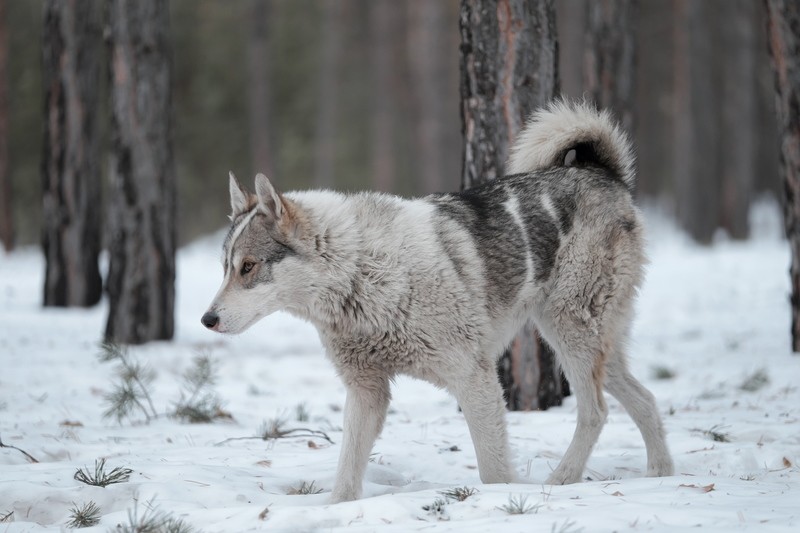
710, 341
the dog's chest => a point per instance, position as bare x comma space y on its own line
391, 352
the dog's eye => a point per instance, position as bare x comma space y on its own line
247, 266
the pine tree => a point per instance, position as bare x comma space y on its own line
141, 282
783, 32
509, 67
71, 61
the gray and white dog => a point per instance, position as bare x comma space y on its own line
437, 287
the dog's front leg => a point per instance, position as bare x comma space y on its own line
481, 398
364, 415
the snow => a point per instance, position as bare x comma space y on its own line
713, 316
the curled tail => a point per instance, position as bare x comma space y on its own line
554, 130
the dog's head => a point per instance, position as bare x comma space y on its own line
261, 258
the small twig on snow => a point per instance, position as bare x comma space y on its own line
23, 452
287, 434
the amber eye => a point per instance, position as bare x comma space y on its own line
247, 266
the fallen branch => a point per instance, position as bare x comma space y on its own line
23, 452
283, 434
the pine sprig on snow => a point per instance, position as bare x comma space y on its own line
198, 403
132, 392
304, 489
152, 520
437, 509
101, 478
569, 526
459, 493
519, 505
87, 515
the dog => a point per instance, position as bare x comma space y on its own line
437, 287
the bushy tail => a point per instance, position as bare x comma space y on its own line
562, 126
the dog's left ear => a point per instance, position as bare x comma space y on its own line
239, 197
270, 200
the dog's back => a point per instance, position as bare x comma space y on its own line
461, 272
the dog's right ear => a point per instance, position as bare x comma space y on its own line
239, 202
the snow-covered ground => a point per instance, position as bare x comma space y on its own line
713, 316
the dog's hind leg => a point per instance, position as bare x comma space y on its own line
641, 406
481, 399
364, 414
584, 370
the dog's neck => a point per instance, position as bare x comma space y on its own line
343, 303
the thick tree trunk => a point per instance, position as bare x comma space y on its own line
509, 66
697, 117
739, 120
141, 284
655, 137
571, 31
767, 175
333, 25
259, 87
426, 48
383, 17
783, 32
6, 205
72, 46
609, 58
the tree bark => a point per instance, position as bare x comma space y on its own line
509, 66
697, 117
383, 16
783, 32
6, 205
571, 31
426, 50
259, 87
72, 45
655, 72
739, 119
767, 175
142, 216
609, 58
329, 83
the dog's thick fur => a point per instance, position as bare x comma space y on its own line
437, 287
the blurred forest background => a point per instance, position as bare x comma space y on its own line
364, 94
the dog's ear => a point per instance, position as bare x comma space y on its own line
270, 200
239, 200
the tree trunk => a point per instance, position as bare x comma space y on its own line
655, 109
767, 175
697, 117
608, 70
571, 31
141, 284
259, 87
72, 46
509, 66
6, 205
382, 17
739, 119
783, 32
329, 84
426, 53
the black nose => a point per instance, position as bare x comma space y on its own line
210, 320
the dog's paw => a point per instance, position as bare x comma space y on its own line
343, 495
660, 468
564, 476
